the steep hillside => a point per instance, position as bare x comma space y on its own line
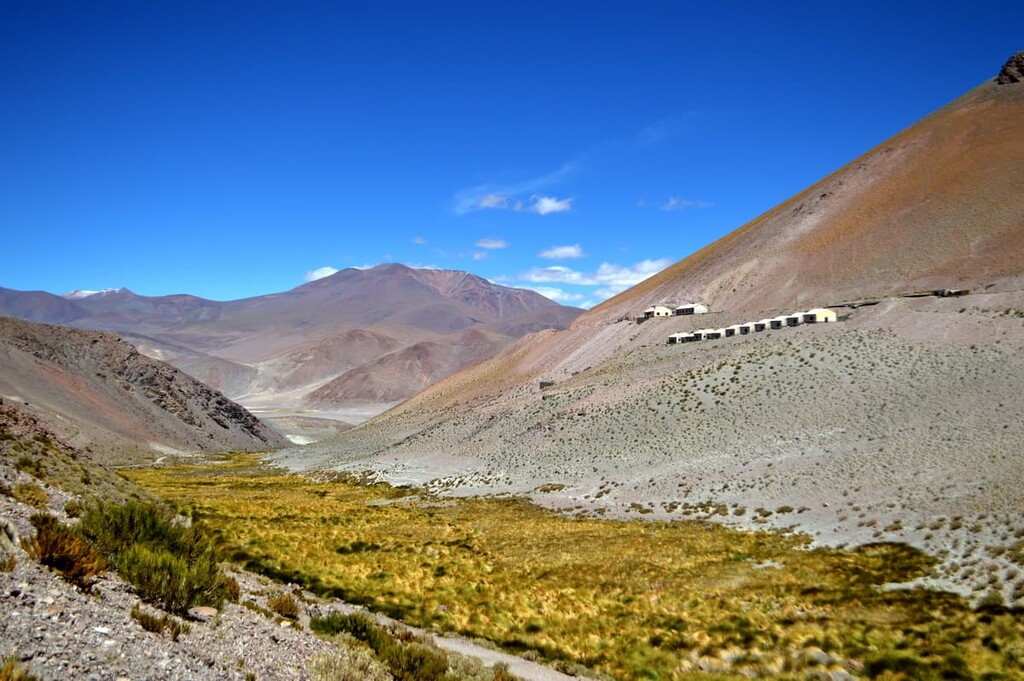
901, 422
937, 206
94, 389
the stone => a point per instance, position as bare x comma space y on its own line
1012, 71
202, 613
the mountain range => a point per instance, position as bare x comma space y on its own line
363, 338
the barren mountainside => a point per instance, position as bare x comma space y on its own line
94, 389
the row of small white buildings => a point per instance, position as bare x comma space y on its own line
816, 316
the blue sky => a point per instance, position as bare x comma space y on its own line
232, 149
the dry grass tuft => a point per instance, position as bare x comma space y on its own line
59, 547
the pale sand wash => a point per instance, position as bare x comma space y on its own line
903, 423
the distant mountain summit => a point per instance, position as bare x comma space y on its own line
78, 294
407, 327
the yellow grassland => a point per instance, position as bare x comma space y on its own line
631, 599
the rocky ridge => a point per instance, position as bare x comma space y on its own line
1012, 71
93, 388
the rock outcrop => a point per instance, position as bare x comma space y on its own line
1012, 71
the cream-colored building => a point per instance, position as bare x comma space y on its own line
819, 315
692, 308
658, 311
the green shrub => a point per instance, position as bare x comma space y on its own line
349, 664
74, 508
31, 494
59, 547
175, 582
168, 564
284, 605
407, 660
112, 528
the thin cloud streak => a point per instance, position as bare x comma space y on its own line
492, 196
492, 244
562, 252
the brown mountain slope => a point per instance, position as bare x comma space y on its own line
403, 373
94, 389
938, 205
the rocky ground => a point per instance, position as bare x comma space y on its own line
904, 422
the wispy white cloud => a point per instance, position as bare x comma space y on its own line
557, 294
493, 196
492, 244
320, 273
479, 255
493, 201
609, 280
674, 203
418, 240
544, 205
562, 252
610, 277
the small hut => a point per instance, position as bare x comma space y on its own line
795, 319
657, 311
713, 334
819, 315
692, 308
733, 330
746, 328
762, 325
777, 322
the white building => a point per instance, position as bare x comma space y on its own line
657, 311
692, 308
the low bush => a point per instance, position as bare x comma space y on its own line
12, 670
74, 508
407, 660
31, 494
168, 564
159, 625
284, 605
349, 664
174, 582
59, 547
